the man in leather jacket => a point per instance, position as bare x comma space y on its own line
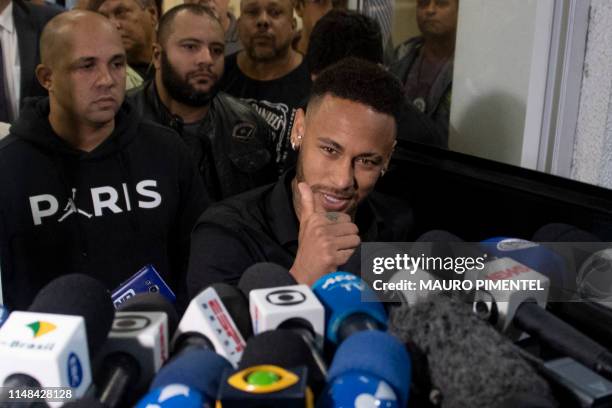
231, 144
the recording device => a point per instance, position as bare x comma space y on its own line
470, 363
189, 380
274, 372
216, 320
374, 379
350, 306
49, 345
146, 280
136, 348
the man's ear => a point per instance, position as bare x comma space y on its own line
298, 129
44, 76
390, 155
157, 50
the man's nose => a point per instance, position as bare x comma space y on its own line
342, 175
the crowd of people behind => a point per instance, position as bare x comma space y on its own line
202, 143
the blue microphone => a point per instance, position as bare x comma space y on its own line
189, 380
375, 379
537, 257
350, 306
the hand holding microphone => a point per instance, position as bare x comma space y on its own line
326, 240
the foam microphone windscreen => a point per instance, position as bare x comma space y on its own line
283, 348
152, 302
470, 363
79, 295
197, 368
264, 275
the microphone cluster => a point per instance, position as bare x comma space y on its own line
271, 342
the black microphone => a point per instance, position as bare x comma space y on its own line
137, 347
79, 295
275, 371
470, 363
264, 275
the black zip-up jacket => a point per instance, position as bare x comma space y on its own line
107, 213
234, 148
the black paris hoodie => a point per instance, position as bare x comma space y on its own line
131, 201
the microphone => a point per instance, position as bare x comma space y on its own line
264, 275
374, 379
217, 319
292, 307
79, 295
136, 348
146, 280
274, 372
152, 302
49, 345
189, 380
470, 363
350, 306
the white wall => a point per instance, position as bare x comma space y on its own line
592, 161
499, 85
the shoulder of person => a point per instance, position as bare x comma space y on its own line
38, 13
235, 213
240, 109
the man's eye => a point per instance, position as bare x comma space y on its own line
190, 47
328, 150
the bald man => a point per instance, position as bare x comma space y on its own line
88, 187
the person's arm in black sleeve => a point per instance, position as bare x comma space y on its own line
193, 201
217, 255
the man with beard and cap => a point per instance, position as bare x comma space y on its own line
312, 220
87, 185
231, 144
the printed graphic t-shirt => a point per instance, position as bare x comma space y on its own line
276, 101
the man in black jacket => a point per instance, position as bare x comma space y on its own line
313, 219
87, 186
231, 144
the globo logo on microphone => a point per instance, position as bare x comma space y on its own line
286, 297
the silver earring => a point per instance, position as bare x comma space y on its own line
382, 172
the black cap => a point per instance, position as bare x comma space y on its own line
152, 302
79, 295
264, 275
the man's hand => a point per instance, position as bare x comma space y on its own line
326, 240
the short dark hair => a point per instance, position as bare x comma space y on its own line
164, 27
360, 81
340, 34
